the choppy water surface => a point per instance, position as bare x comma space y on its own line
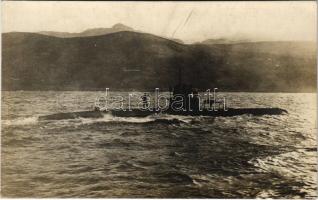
224, 157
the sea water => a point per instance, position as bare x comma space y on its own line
157, 156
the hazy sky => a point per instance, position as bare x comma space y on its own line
189, 21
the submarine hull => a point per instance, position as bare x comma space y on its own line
219, 113
144, 113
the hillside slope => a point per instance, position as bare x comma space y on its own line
131, 60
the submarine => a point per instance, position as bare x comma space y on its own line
139, 113
185, 107
176, 106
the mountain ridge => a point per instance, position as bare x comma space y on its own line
89, 32
32, 61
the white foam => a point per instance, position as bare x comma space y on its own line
20, 121
150, 118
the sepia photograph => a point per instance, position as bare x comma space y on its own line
159, 99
